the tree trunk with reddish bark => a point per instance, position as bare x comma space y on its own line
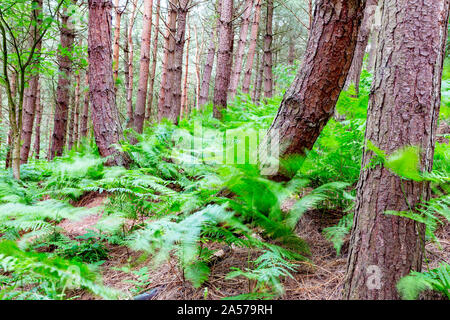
256, 96
105, 116
149, 114
268, 38
85, 114
184, 96
237, 69
37, 130
76, 119
252, 48
403, 111
164, 103
373, 38
224, 59
62, 91
116, 48
363, 39
206, 78
172, 106
29, 109
310, 101
130, 69
291, 54
71, 122
141, 98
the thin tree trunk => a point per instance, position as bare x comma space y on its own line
258, 80
184, 97
85, 115
76, 131
291, 54
62, 91
150, 113
206, 79
310, 101
130, 57
164, 106
375, 31
144, 67
403, 111
29, 109
198, 54
363, 39
252, 48
71, 121
105, 116
37, 132
268, 38
116, 48
224, 59
1, 114
13, 84
237, 69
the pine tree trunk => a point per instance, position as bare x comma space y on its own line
130, 70
116, 48
62, 91
198, 54
150, 113
71, 122
206, 79
139, 115
224, 60
376, 25
403, 110
268, 38
85, 116
258, 80
76, 120
172, 105
13, 84
310, 101
360, 50
252, 48
105, 116
37, 132
167, 78
236, 74
291, 54
29, 109
184, 96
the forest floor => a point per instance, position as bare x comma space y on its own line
320, 278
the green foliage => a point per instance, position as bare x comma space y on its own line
436, 279
269, 268
49, 277
336, 234
89, 250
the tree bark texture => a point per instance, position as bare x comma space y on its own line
164, 103
62, 90
268, 38
150, 113
29, 109
105, 116
206, 78
252, 48
403, 110
237, 69
360, 50
310, 101
141, 98
37, 130
85, 114
224, 59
